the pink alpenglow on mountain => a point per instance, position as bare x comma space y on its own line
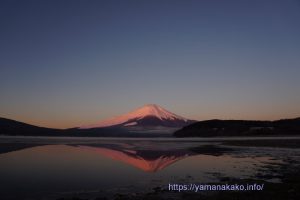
150, 115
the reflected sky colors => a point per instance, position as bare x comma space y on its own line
112, 166
68, 63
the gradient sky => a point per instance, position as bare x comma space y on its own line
69, 63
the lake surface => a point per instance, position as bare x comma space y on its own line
50, 168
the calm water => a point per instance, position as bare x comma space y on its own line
53, 167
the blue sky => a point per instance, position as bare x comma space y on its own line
68, 63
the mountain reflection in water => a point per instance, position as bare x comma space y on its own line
111, 166
146, 160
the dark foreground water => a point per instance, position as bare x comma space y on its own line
90, 168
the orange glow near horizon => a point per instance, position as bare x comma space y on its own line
71, 121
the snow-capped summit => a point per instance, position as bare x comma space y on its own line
154, 110
148, 115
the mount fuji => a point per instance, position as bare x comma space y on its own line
149, 117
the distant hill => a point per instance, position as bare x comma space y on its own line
150, 120
221, 128
14, 128
199, 129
